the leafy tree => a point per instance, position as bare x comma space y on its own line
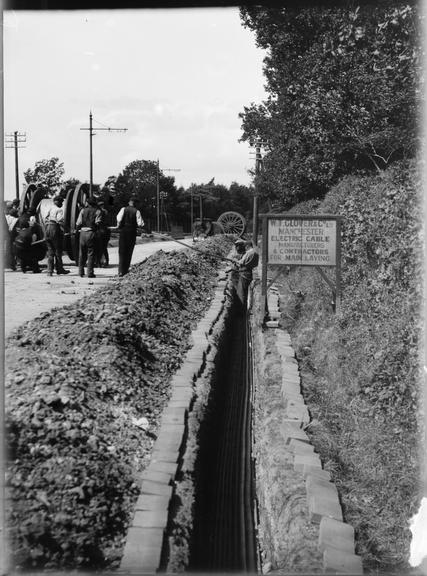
47, 173
343, 94
207, 196
240, 199
140, 178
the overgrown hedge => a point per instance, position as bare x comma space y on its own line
361, 367
78, 381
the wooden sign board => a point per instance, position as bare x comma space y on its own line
304, 242
299, 240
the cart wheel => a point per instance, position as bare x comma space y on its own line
68, 202
233, 223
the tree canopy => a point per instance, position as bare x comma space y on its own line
344, 92
48, 173
139, 178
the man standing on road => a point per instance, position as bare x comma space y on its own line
10, 232
87, 223
128, 220
102, 237
54, 221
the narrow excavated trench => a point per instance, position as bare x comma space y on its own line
224, 534
243, 496
253, 496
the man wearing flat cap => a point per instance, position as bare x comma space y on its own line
128, 220
87, 224
54, 232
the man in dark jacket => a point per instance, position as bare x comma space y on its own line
128, 220
87, 223
102, 237
26, 219
28, 248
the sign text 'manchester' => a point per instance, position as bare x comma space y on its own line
298, 241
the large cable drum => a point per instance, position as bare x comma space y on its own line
30, 200
74, 203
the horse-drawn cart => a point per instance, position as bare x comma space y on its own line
230, 223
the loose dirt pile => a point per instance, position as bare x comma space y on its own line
85, 387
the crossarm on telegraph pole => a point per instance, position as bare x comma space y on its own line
15, 139
91, 134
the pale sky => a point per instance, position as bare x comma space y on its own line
175, 78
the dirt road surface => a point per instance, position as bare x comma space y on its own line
28, 295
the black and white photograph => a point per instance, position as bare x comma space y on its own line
214, 287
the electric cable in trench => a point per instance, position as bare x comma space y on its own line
224, 526
224, 537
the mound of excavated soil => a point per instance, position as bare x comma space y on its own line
85, 387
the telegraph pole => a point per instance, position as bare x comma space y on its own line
158, 190
258, 166
191, 209
91, 134
158, 196
15, 139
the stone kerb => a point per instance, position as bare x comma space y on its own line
145, 539
336, 539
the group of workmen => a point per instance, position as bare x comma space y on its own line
21, 233
26, 242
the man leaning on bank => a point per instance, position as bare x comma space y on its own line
246, 262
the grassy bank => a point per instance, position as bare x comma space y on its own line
361, 368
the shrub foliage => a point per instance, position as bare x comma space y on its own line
362, 366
